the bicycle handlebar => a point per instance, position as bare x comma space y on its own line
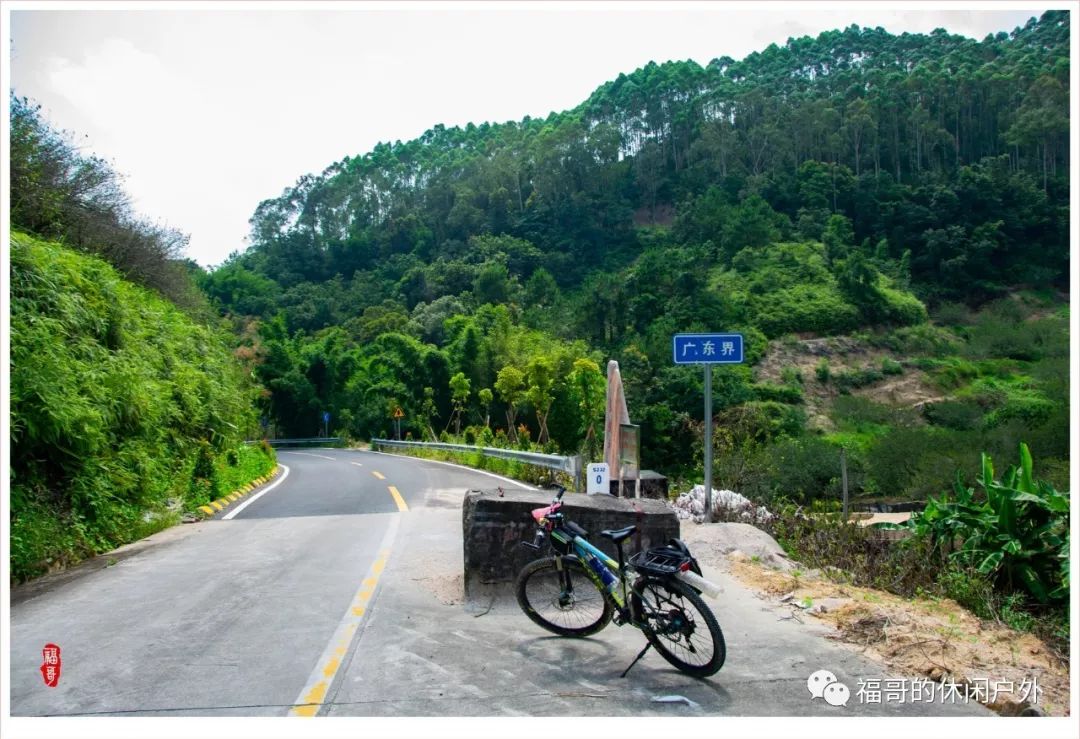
558, 495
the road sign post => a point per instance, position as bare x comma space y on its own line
708, 442
398, 415
708, 349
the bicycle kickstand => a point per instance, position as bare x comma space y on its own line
637, 659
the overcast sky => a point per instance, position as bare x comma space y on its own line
208, 112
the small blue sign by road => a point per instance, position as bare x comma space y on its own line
708, 348
326, 417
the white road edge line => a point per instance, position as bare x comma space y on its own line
308, 454
258, 495
357, 464
459, 466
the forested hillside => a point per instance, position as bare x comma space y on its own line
480, 277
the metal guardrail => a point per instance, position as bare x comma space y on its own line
315, 441
570, 465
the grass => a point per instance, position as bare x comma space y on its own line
249, 463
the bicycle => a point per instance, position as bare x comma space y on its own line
577, 591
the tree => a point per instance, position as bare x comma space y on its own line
588, 389
59, 193
857, 279
459, 395
510, 385
839, 237
492, 284
752, 223
540, 375
485, 396
541, 289
428, 411
859, 123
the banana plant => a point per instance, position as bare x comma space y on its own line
1016, 533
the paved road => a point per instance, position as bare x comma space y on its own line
225, 617
338, 592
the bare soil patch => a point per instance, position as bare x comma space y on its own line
921, 637
933, 638
844, 353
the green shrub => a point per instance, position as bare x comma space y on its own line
952, 314
951, 373
969, 588
1012, 398
891, 367
902, 308
922, 340
807, 469
803, 308
857, 413
856, 378
960, 415
204, 478
791, 394
822, 372
252, 461
911, 462
998, 335
760, 421
856, 553
791, 376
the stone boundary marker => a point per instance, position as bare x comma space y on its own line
495, 522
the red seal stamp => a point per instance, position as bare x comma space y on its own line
50, 665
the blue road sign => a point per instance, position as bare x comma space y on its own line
326, 417
708, 348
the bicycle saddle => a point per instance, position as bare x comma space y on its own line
617, 535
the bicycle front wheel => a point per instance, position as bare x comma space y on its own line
564, 601
680, 626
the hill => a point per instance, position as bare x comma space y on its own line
856, 182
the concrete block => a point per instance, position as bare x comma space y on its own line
653, 486
493, 528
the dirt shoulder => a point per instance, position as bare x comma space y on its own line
917, 638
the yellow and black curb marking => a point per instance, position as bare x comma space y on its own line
222, 503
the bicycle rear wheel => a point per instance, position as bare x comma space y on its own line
565, 602
680, 626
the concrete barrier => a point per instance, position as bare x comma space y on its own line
493, 528
653, 485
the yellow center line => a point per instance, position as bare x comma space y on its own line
378, 475
313, 695
401, 506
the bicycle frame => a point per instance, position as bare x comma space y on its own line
550, 519
584, 549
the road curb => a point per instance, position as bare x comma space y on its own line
216, 506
